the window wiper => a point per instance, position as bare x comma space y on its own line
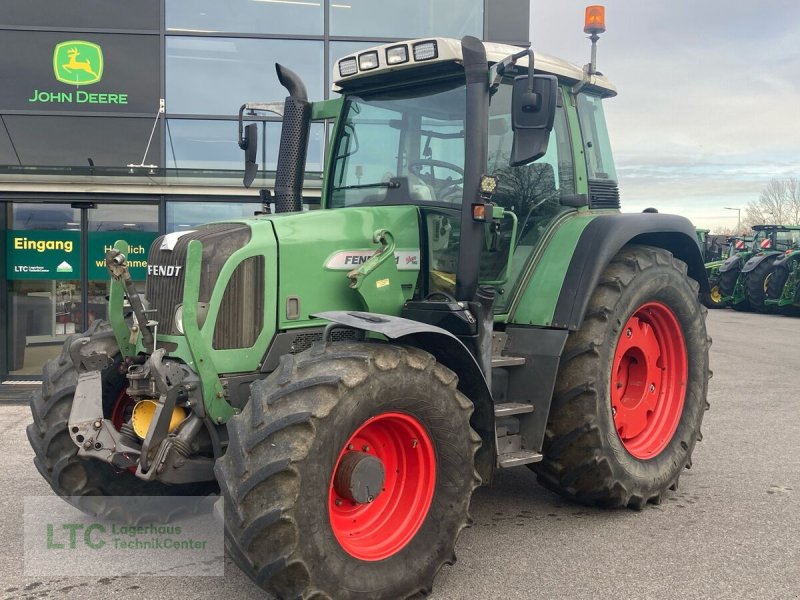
378, 184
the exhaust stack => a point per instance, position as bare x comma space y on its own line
294, 143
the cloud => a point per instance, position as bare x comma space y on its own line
708, 96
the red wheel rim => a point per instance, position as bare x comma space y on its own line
649, 376
120, 414
379, 529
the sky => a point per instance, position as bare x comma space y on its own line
708, 109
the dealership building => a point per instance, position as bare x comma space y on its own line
118, 119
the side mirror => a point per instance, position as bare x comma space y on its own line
532, 115
249, 143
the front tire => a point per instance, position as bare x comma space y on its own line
713, 298
290, 526
776, 284
631, 389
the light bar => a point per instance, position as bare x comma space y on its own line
368, 61
347, 67
397, 55
425, 50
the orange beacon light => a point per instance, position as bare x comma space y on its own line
595, 19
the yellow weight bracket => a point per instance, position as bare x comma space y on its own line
143, 414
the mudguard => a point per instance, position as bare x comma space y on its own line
757, 260
731, 263
604, 237
449, 351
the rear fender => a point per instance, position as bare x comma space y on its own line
757, 260
449, 351
604, 237
731, 263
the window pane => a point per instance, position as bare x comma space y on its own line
201, 144
245, 16
185, 215
98, 14
215, 76
405, 144
71, 141
599, 160
407, 19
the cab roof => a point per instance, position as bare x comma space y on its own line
449, 50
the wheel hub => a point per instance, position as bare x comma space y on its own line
359, 478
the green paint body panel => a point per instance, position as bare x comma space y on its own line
539, 297
309, 241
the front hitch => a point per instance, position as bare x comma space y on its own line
117, 265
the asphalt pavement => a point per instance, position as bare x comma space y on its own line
732, 530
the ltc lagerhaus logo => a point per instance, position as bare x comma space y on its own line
78, 63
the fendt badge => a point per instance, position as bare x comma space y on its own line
164, 270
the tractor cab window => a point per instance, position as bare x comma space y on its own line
402, 146
599, 160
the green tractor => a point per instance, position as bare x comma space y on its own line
744, 279
467, 298
713, 261
783, 288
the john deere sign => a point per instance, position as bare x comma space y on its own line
79, 72
78, 63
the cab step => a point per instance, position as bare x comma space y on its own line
512, 408
520, 457
501, 360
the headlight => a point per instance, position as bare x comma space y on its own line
368, 61
348, 67
396, 55
179, 318
425, 50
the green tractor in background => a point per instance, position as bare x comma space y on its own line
714, 257
467, 298
783, 288
754, 270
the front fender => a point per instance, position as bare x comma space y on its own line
449, 351
757, 260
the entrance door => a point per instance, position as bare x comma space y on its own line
57, 280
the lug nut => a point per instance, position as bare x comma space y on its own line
87, 445
652, 387
97, 424
350, 446
338, 502
628, 332
613, 412
365, 448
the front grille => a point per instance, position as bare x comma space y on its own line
603, 193
241, 312
165, 291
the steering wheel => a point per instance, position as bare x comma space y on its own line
441, 186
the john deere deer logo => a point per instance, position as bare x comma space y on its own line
77, 62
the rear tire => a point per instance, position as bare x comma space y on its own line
756, 284
86, 483
283, 522
643, 292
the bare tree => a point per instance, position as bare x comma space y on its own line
778, 204
726, 230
